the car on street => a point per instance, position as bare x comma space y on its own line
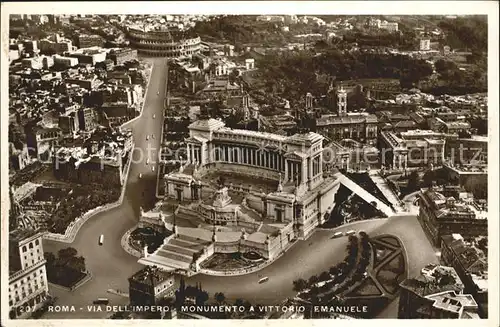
147, 161
101, 239
158, 93
349, 233
147, 137
263, 280
337, 234
140, 175
154, 116
153, 168
101, 300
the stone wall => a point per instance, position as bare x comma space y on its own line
255, 203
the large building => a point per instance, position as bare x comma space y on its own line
295, 161
440, 215
149, 285
412, 149
89, 56
344, 125
473, 177
121, 56
162, 42
55, 44
88, 41
279, 195
41, 140
87, 119
28, 287
436, 294
466, 150
104, 160
471, 265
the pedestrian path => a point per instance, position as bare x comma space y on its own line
387, 191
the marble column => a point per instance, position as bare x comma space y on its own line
310, 168
210, 157
286, 171
303, 178
188, 152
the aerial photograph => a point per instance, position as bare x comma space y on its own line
247, 166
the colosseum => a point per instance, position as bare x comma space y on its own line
162, 42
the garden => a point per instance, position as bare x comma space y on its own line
66, 269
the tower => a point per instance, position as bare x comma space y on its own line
309, 101
341, 101
246, 111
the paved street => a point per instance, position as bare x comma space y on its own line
316, 255
111, 265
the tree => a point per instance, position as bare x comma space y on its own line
478, 187
233, 75
313, 280
428, 178
324, 276
219, 297
413, 181
76, 263
239, 302
202, 297
299, 285
483, 244
364, 237
67, 253
333, 270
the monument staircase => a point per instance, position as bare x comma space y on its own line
176, 253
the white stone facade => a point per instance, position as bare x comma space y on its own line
28, 286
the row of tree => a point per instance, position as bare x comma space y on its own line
338, 278
396, 40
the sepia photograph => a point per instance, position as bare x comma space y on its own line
248, 164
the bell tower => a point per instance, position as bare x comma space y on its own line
341, 101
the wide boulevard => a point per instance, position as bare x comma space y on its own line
111, 266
